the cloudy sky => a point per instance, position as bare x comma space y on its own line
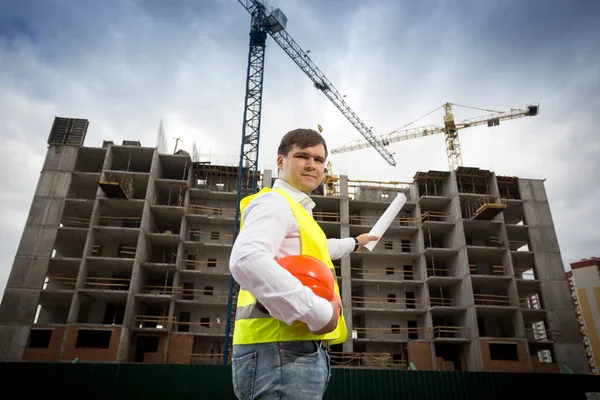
125, 65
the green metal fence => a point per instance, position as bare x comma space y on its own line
135, 381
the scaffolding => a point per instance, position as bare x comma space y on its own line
473, 180
486, 208
508, 187
330, 181
115, 187
432, 183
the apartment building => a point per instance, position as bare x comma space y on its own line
124, 258
584, 282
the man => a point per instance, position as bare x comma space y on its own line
282, 329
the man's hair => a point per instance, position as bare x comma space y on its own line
302, 138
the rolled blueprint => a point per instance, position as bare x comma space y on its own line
385, 220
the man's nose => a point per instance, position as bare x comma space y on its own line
310, 163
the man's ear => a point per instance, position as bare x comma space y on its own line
280, 162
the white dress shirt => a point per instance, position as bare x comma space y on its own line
270, 231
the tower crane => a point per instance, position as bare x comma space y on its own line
266, 20
450, 130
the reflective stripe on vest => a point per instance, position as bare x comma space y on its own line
255, 326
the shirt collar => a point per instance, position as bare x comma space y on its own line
296, 195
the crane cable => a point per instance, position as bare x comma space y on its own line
453, 104
410, 123
477, 108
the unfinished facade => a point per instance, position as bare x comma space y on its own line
124, 258
584, 282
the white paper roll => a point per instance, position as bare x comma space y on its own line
385, 220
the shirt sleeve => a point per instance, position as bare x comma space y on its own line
266, 222
340, 247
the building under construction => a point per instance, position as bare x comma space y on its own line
584, 282
124, 258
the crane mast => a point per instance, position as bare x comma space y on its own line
452, 143
247, 176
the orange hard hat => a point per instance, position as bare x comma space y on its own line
312, 272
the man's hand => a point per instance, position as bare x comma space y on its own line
332, 324
364, 239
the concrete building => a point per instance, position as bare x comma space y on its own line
584, 282
124, 258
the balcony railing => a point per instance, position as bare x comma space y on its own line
207, 211
435, 216
456, 332
439, 271
152, 321
390, 246
496, 270
103, 283
209, 237
442, 302
123, 252
491, 300
207, 267
59, 283
326, 216
120, 222
531, 302
392, 333
76, 222
388, 272
160, 289
204, 295
408, 333
389, 303
371, 220
171, 201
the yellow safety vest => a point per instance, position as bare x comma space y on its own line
252, 324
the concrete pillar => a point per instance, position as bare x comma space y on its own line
555, 294
465, 288
267, 178
21, 297
140, 256
345, 262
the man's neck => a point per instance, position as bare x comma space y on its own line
292, 186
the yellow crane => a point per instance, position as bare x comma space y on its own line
329, 179
450, 130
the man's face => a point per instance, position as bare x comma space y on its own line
303, 168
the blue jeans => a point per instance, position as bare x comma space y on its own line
281, 370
